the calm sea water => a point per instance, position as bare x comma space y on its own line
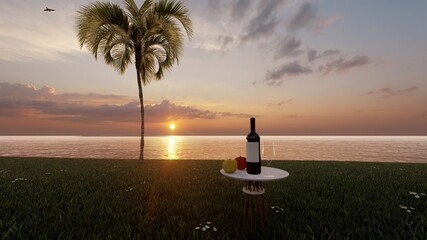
340, 148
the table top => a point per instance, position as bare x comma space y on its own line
267, 174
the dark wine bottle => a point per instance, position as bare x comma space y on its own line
253, 157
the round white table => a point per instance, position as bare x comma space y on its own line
267, 174
254, 204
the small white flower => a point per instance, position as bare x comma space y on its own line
208, 222
412, 208
403, 207
408, 211
197, 228
215, 229
204, 229
19, 179
412, 193
422, 194
417, 196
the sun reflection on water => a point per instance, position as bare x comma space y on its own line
172, 148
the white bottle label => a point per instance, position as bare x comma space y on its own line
252, 152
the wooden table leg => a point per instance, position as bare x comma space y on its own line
254, 211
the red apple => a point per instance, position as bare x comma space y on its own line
241, 162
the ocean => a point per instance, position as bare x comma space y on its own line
338, 148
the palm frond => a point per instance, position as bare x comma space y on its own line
99, 25
131, 7
171, 10
145, 6
174, 38
150, 68
118, 54
133, 11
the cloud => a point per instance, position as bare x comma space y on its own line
225, 42
285, 102
274, 77
239, 9
24, 100
292, 116
207, 46
29, 92
289, 47
100, 113
322, 23
264, 24
305, 16
409, 90
342, 65
24, 91
388, 92
281, 103
265, 21
313, 55
167, 110
214, 4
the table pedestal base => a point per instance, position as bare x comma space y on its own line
254, 211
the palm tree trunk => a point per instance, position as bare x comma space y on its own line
142, 142
141, 102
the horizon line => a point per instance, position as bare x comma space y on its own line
208, 135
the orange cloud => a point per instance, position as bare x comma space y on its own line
388, 92
76, 113
341, 65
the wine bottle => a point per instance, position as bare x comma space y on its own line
253, 157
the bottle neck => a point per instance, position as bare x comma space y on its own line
252, 124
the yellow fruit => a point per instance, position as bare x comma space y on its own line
229, 165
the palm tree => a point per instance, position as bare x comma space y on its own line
151, 35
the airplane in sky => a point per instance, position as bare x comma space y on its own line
49, 9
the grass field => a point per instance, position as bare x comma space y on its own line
121, 199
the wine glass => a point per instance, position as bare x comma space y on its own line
273, 149
268, 152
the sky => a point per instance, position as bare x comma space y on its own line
315, 67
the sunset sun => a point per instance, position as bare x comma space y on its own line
171, 126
